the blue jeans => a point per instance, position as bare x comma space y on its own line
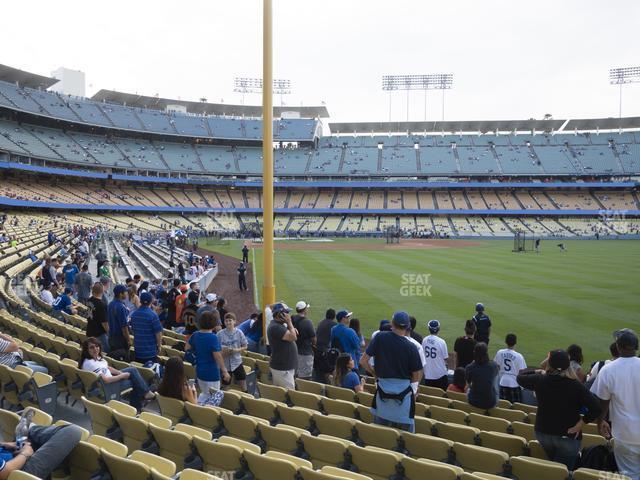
52, 445
35, 367
253, 346
559, 449
137, 384
407, 427
104, 341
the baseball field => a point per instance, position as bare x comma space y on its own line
550, 299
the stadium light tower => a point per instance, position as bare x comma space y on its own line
254, 85
620, 76
440, 81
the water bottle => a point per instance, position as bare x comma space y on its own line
22, 430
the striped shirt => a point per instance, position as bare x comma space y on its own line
10, 359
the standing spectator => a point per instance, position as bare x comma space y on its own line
83, 284
189, 313
104, 271
69, 271
561, 398
597, 366
209, 361
245, 254
220, 306
464, 345
415, 335
354, 324
396, 366
211, 301
575, 355
117, 315
344, 375
435, 357
233, 343
482, 374
147, 331
282, 338
617, 388
101, 257
97, 324
324, 359
510, 363
180, 303
483, 324
306, 340
323, 330
345, 339
170, 301
252, 329
242, 280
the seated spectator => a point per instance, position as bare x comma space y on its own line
344, 375
91, 360
174, 382
46, 295
46, 449
481, 376
459, 381
11, 355
63, 303
597, 366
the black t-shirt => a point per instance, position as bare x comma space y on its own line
464, 351
483, 323
171, 300
98, 317
482, 384
306, 332
416, 336
395, 356
323, 332
284, 354
560, 400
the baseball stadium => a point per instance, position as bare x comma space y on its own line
534, 223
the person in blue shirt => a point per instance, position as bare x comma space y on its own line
209, 361
344, 375
64, 303
147, 330
344, 338
117, 315
252, 329
69, 271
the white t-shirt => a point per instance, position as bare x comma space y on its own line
435, 353
101, 367
47, 296
619, 382
510, 363
595, 369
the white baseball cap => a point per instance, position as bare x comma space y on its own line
301, 305
211, 297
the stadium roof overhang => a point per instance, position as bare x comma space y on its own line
453, 127
603, 123
25, 79
203, 108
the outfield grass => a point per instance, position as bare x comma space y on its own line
549, 300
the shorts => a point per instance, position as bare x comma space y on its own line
238, 374
442, 382
283, 378
305, 366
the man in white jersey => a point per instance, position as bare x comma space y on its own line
435, 357
617, 387
510, 363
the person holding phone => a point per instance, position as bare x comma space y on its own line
561, 398
175, 384
282, 338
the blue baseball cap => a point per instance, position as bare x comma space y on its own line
118, 289
342, 314
280, 307
401, 319
68, 290
434, 326
146, 298
384, 325
479, 307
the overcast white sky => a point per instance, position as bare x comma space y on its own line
510, 59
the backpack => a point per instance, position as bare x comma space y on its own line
325, 360
599, 457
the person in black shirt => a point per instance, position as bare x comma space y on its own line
242, 280
171, 303
98, 324
464, 345
323, 364
415, 335
561, 399
481, 376
483, 324
220, 307
245, 254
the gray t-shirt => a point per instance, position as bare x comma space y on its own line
284, 355
235, 339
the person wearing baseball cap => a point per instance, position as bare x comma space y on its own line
117, 315
397, 364
63, 303
436, 355
69, 271
306, 340
282, 338
147, 330
209, 305
617, 386
344, 338
561, 400
483, 324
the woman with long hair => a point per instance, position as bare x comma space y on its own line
354, 324
174, 382
91, 360
561, 400
576, 358
481, 376
344, 376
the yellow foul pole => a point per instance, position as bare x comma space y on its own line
268, 284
